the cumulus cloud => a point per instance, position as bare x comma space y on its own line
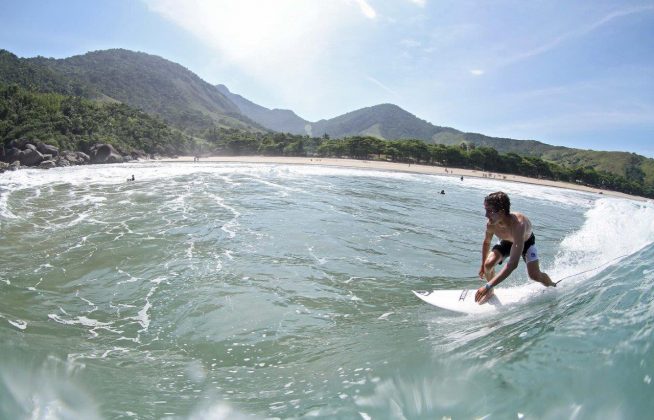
476, 72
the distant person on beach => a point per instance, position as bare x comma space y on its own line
516, 239
130, 179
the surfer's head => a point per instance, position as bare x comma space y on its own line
498, 202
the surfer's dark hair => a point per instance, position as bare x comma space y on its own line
498, 201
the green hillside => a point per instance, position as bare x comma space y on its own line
182, 100
154, 85
385, 121
75, 123
280, 120
14, 70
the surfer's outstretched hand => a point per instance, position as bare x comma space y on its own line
482, 295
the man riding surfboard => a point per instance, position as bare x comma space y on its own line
516, 239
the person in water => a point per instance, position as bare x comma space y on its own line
516, 239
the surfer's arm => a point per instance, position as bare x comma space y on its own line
514, 258
512, 264
485, 248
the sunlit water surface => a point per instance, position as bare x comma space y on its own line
275, 291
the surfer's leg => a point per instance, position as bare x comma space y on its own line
489, 265
533, 269
494, 257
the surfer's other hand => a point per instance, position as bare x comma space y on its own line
481, 292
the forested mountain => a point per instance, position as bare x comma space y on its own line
390, 122
185, 102
154, 85
281, 120
24, 73
147, 82
75, 123
385, 121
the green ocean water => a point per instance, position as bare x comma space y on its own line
275, 291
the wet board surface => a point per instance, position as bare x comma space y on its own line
464, 300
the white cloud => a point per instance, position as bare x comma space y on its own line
582, 30
476, 72
381, 85
420, 3
366, 9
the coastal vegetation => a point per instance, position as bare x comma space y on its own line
74, 123
138, 102
232, 142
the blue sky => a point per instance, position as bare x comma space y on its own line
577, 74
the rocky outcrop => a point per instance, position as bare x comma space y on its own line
30, 156
47, 164
68, 158
46, 149
26, 152
105, 153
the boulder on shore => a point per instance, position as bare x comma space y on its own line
46, 149
47, 164
104, 153
33, 152
30, 157
28, 152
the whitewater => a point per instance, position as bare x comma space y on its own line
243, 290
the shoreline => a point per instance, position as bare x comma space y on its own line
403, 167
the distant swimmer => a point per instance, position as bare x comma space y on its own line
461, 178
516, 238
131, 179
442, 192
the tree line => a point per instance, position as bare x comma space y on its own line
74, 123
465, 156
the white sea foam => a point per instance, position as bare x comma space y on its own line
143, 316
81, 176
614, 229
80, 320
20, 324
84, 321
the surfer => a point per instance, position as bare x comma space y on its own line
516, 238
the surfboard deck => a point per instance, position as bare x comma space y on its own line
463, 301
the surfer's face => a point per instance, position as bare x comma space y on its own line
492, 214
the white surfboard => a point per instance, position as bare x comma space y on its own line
464, 300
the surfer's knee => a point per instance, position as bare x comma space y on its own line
489, 266
491, 261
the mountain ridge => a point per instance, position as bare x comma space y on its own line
154, 85
179, 97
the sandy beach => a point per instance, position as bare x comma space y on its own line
403, 167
